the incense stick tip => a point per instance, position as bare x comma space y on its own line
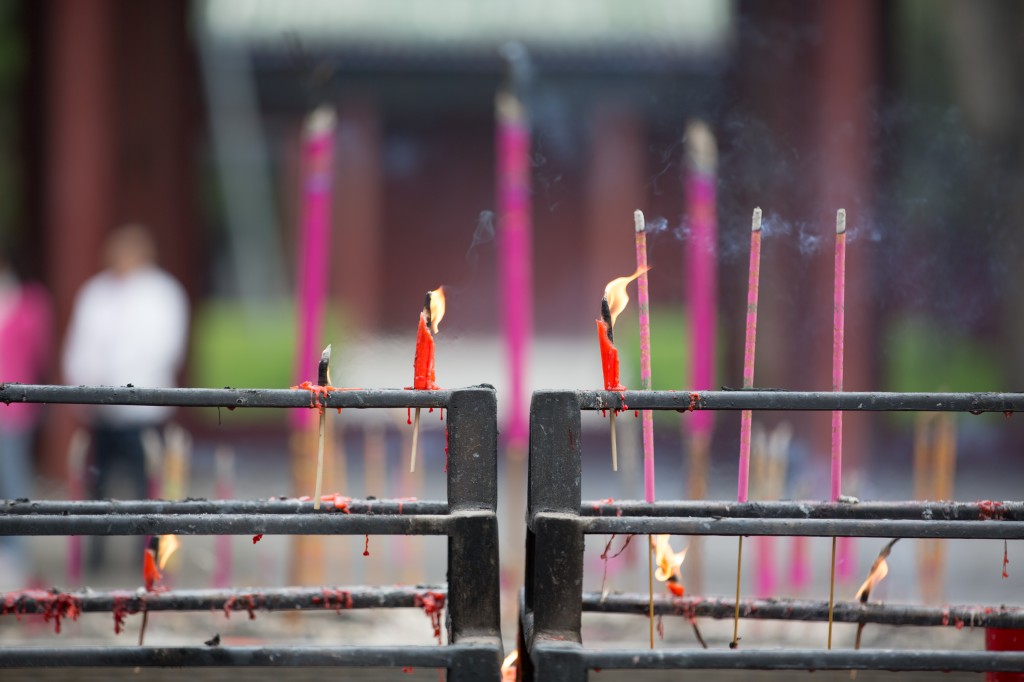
755, 222
841, 221
638, 220
701, 147
321, 121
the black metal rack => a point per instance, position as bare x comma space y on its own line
558, 519
468, 519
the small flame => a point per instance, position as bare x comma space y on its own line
879, 570
509, 665
667, 560
615, 292
168, 545
436, 311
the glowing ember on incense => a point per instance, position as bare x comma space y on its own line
423, 363
612, 304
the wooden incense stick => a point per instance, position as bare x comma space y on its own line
838, 332
644, 305
323, 379
749, 348
415, 439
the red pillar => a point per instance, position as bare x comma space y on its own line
78, 168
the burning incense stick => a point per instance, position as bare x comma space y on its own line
323, 378
423, 364
749, 348
643, 303
612, 303
838, 331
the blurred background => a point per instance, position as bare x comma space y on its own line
188, 117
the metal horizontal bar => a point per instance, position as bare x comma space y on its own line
271, 506
325, 523
178, 657
806, 659
982, 510
262, 599
754, 399
219, 397
868, 528
809, 610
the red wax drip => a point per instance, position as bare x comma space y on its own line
1006, 559
256, 538
432, 604
366, 547
408, 416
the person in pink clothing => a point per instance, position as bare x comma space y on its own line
26, 337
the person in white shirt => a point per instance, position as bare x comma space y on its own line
129, 325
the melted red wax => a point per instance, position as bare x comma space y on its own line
407, 670
1006, 559
989, 510
56, 605
250, 604
441, 410
432, 604
609, 359
1008, 413
675, 588
636, 414
446, 451
256, 538
402, 501
317, 394
339, 501
408, 416
423, 364
366, 547
121, 610
334, 599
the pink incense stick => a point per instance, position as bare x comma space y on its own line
701, 265
749, 348
513, 167
314, 242
643, 303
750, 345
838, 331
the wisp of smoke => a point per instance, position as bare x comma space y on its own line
482, 235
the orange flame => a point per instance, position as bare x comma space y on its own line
879, 570
169, 544
668, 561
436, 310
509, 665
616, 295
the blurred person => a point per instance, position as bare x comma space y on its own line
26, 339
129, 325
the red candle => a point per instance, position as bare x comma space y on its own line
609, 358
150, 573
613, 303
423, 364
